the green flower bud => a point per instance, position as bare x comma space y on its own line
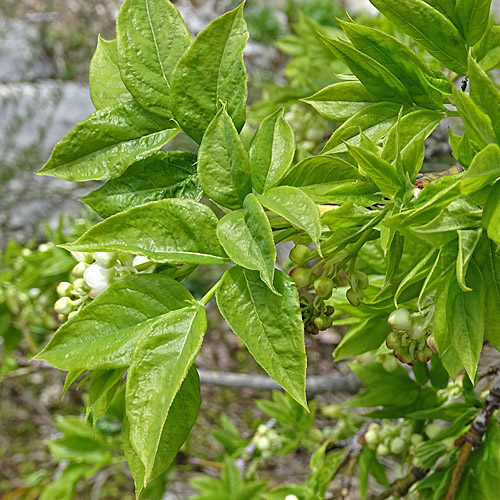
371, 438
382, 450
397, 446
300, 254
291, 497
80, 284
64, 305
322, 322
362, 280
431, 342
425, 355
393, 341
342, 278
432, 430
323, 286
416, 439
263, 443
353, 298
417, 330
64, 289
301, 276
390, 363
400, 319
79, 269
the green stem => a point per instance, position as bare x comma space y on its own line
206, 298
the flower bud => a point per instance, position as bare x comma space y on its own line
301, 276
263, 443
82, 257
342, 278
417, 330
397, 446
353, 298
371, 438
61, 318
262, 429
80, 284
416, 439
323, 286
382, 450
431, 342
393, 341
390, 363
79, 269
432, 430
291, 497
64, 289
400, 319
64, 305
105, 259
362, 279
300, 254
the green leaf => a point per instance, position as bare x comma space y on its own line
325, 468
446, 7
473, 16
347, 215
491, 213
484, 169
106, 86
163, 175
223, 166
172, 230
341, 100
396, 57
271, 151
180, 420
485, 93
103, 334
375, 121
161, 360
459, 320
105, 144
414, 128
381, 172
477, 123
296, 207
247, 238
428, 27
363, 337
487, 257
151, 38
377, 79
467, 242
212, 70
269, 325
487, 52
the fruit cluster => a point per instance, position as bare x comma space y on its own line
267, 441
411, 339
319, 282
93, 274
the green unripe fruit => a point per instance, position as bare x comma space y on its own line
342, 278
323, 286
400, 319
64, 305
397, 446
425, 355
416, 439
64, 289
353, 298
417, 330
322, 322
362, 279
301, 276
432, 430
79, 269
393, 341
300, 254
382, 450
404, 356
371, 438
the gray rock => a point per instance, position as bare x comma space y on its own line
21, 55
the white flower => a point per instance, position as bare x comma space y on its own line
105, 259
98, 279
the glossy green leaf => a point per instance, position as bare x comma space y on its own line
381, 172
180, 420
212, 70
296, 207
477, 123
161, 361
487, 52
428, 27
223, 166
487, 257
365, 193
269, 325
446, 7
163, 175
340, 101
485, 94
374, 120
473, 16
460, 319
106, 86
102, 335
491, 213
467, 242
271, 151
484, 169
369, 334
151, 38
414, 128
247, 238
396, 57
377, 79
173, 230
105, 144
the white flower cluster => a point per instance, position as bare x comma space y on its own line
267, 441
94, 273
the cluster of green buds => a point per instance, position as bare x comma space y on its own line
93, 274
391, 438
387, 359
411, 339
267, 441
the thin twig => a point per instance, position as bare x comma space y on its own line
401, 486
